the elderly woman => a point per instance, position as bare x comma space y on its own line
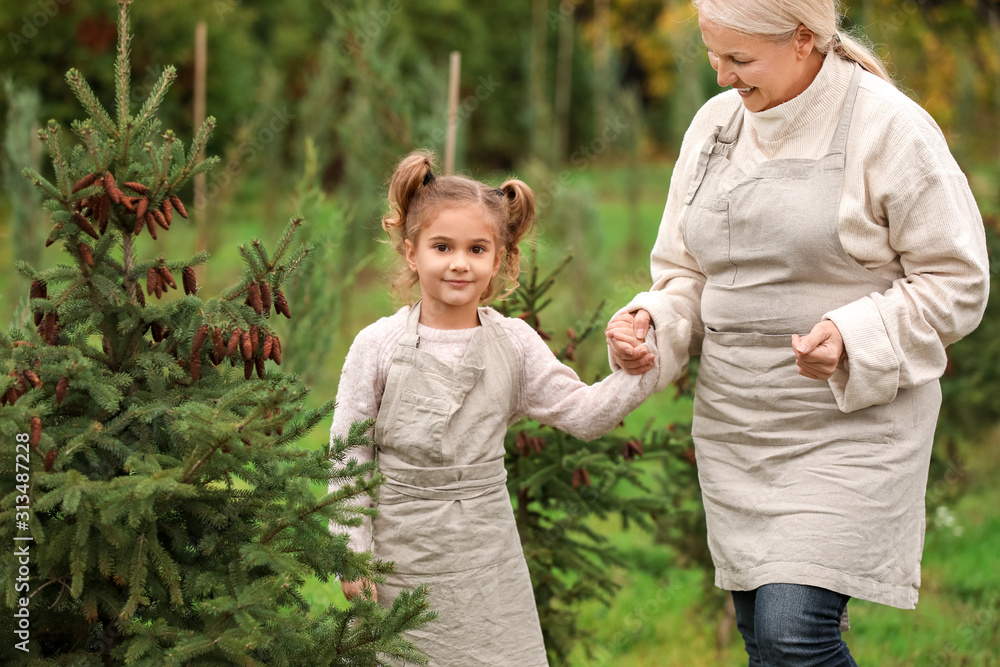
819, 249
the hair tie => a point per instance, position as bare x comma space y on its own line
500, 191
428, 177
836, 36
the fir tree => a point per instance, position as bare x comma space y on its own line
173, 516
560, 485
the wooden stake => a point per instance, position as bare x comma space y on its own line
564, 82
453, 80
602, 62
200, 67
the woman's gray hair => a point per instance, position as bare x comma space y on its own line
778, 20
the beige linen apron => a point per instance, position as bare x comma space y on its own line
795, 491
445, 516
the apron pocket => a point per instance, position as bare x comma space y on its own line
420, 422
706, 233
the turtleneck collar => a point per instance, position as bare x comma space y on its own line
824, 95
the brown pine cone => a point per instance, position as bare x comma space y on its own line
259, 363
85, 254
177, 204
631, 450
281, 304
254, 299
265, 298
61, 387
167, 211
52, 235
103, 213
218, 347
234, 341
109, 182
168, 278
265, 348
36, 432
138, 293
129, 203
141, 208
200, 337
159, 331
50, 458
276, 350
161, 220
150, 224
50, 325
31, 377
137, 187
188, 278
254, 338
580, 478
153, 281
138, 225
85, 182
38, 290
194, 365
84, 225
246, 348
11, 396
248, 369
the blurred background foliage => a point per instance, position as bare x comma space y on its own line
587, 100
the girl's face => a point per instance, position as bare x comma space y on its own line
763, 72
455, 256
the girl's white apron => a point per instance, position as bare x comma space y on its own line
795, 491
445, 516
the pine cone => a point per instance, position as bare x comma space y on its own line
246, 348
153, 281
84, 224
138, 224
580, 477
103, 213
194, 364
50, 326
248, 369
139, 295
176, 201
85, 182
218, 347
200, 337
61, 387
265, 349
254, 339
31, 377
159, 331
265, 298
281, 305
109, 182
161, 220
52, 235
254, 299
11, 396
259, 362
276, 350
188, 278
38, 290
50, 458
150, 224
137, 187
129, 203
141, 208
167, 211
85, 254
168, 278
234, 341
631, 450
36, 431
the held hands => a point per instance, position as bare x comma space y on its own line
818, 354
626, 335
354, 588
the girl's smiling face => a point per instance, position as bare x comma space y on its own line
764, 72
455, 256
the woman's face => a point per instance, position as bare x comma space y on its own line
763, 72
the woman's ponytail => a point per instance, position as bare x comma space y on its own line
855, 50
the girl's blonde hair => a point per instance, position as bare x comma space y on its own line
778, 19
416, 195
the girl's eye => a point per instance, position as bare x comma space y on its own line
478, 250
441, 247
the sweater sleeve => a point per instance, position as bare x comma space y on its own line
553, 394
897, 339
359, 395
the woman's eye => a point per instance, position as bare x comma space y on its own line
738, 62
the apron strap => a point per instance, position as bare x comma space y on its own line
731, 133
839, 142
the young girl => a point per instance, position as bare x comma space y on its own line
445, 377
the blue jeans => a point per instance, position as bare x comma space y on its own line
790, 625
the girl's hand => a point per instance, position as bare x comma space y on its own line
818, 354
354, 588
626, 334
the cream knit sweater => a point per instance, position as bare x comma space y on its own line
549, 391
906, 214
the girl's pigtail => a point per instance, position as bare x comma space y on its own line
413, 172
520, 221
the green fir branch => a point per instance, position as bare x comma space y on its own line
78, 84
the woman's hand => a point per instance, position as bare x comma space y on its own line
818, 354
354, 588
626, 334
